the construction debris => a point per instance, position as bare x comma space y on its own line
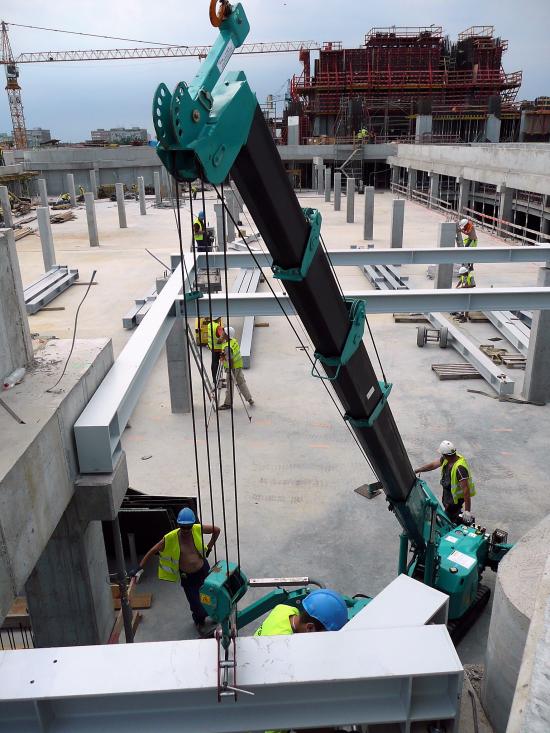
62, 216
502, 356
23, 232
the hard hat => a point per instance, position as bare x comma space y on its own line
186, 517
201, 215
446, 448
462, 223
229, 331
463, 270
328, 607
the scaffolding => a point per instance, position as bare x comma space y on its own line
398, 72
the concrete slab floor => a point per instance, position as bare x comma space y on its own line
297, 466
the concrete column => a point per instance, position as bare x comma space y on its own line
411, 183
71, 189
158, 195
536, 383
350, 202
43, 191
238, 197
177, 361
328, 176
293, 130
141, 191
46, 236
368, 221
394, 174
434, 188
492, 129
463, 194
15, 336
397, 221
68, 593
232, 206
320, 179
165, 182
506, 203
220, 213
119, 188
423, 131
444, 277
93, 182
92, 222
6, 207
337, 191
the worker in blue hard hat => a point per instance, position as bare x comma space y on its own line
182, 559
321, 610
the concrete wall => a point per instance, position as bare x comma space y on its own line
519, 166
38, 464
335, 152
518, 580
112, 165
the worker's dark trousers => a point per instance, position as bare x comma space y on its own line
453, 510
191, 583
215, 364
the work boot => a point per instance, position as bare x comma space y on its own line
224, 407
251, 402
207, 628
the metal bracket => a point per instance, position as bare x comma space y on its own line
353, 339
297, 274
192, 295
375, 414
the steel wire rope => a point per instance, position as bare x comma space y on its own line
236, 498
206, 434
93, 35
303, 346
188, 351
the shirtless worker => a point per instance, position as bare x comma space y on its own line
182, 558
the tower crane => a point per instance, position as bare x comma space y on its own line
110, 54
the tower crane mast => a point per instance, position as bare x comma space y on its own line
14, 91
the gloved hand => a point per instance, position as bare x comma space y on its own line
136, 572
467, 517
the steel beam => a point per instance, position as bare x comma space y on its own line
296, 681
402, 301
360, 257
492, 373
99, 428
513, 330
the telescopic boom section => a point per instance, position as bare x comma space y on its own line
266, 190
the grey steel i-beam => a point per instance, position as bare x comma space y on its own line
99, 428
492, 373
360, 257
513, 330
399, 301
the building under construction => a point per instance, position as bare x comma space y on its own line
400, 75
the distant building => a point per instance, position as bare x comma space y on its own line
120, 135
6, 139
37, 136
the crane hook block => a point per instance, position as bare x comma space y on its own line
354, 338
203, 125
297, 274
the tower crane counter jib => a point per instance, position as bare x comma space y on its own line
214, 127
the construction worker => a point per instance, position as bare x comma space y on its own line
322, 610
182, 559
194, 191
199, 225
215, 344
456, 481
465, 280
470, 240
362, 135
233, 364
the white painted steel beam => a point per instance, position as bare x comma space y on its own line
513, 330
360, 257
491, 372
372, 677
99, 428
401, 301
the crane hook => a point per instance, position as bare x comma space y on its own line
218, 16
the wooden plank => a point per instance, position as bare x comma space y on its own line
410, 318
138, 600
119, 621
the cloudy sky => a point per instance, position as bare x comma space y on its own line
73, 98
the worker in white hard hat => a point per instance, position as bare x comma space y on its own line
467, 228
233, 364
456, 480
465, 280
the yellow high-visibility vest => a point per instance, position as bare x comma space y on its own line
199, 236
456, 488
169, 558
236, 358
214, 341
278, 622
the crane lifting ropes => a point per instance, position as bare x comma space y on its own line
157, 51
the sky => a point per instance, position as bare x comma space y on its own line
73, 98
